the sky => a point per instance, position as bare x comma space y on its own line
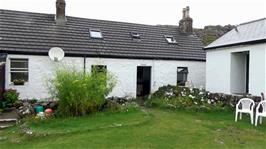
153, 12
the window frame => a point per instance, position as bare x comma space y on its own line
102, 67
135, 35
185, 72
173, 41
95, 30
18, 70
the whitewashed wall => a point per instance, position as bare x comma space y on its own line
218, 69
164, 72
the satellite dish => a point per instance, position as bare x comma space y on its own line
56, 54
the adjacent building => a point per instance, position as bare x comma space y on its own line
236, 62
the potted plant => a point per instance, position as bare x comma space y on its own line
18, 82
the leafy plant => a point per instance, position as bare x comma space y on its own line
18, 82
80, 93
191, 98
11, 96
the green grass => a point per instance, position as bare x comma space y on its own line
155, 128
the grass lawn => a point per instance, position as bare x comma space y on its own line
153, 128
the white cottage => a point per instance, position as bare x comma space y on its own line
236, 62
143, 57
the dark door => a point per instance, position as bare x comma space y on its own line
247, 73
143, 80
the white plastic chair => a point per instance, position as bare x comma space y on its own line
261, 114
245, 105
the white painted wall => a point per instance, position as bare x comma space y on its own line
257, 78
164, 72
218, 68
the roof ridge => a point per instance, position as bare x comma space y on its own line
75, 17
20, 11
252, 21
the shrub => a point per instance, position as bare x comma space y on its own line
11, 96
192, 98
111, 106
80, 93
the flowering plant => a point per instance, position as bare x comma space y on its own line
191, 98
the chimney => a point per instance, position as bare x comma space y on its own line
185, 24
60, 17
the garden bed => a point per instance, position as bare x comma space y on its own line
177, 97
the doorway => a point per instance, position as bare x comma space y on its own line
247, 72
143, 81
240, 72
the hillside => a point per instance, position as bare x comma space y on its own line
211, 32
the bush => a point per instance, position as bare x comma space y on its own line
11, 96
111, 106
192, 98
80, 93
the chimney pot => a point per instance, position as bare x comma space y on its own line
60, 12
187, 12
184, 13
186, 23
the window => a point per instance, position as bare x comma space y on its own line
170, 39
135, 35
100, 71
99, 68
96, 33
182, 73
19, 69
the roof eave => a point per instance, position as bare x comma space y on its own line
105, 56
236, 44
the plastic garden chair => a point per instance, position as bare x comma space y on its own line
262, 96
245, 105
261, 114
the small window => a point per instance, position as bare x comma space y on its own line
100, 71
135, 35
19, 70
182, 73
170, 39
96, 33
98, 68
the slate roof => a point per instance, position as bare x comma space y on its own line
36, 33
245, 33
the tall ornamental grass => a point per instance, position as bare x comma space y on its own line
80, 93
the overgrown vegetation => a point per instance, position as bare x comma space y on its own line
10, 96
80, 93
191, 98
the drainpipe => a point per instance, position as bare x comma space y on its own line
84, 64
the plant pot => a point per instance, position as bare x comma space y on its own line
18, 83
38, 108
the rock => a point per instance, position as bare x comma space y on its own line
18, 104
210, 33
25, 109
3, 138
53, 105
